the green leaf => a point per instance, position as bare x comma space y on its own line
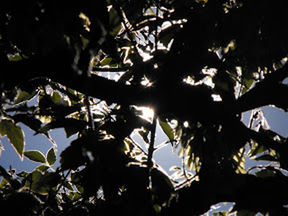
114, 21
58, 99
14, 134
23, 96
167, 129
42, 182
70, 125
35, 155
257, 150
42, 168
51, 157
106, 61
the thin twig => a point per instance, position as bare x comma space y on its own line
138, 146
156, 27
120, 14
106, 69
90, 116
151, 148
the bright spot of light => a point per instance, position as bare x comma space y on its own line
146, 82
216, 97
186, 124
147, 113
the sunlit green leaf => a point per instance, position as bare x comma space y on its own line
257, 150
14, 134
167, 129
106, 61
157, 208
23, 96
51, 157
35, 155
58, 99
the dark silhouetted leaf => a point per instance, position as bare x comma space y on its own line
51, 157
35, 155
266, 157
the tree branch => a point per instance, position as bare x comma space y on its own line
269, 91
248, 191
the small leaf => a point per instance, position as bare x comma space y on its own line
36, 156
42, 168
106, 61
14, 134
144, 134
167, 130
266, 157
23, 96
58, 99
51, 157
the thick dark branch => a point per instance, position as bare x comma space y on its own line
183, 101
264, 94
269, 91
247, 191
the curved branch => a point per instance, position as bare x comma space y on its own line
269, 91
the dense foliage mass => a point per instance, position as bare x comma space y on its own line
91, 66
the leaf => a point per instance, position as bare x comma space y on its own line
42, 182
114, 21
266, 173
42, 168
14, 134
23, 96
70, 125
51, 157
28, 120
247, 85
35, 155
58, 99
167, 130
257, 150
266, 157
106, 61
144, 134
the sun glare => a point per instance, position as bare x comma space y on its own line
147, 113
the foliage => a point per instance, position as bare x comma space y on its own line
91, 67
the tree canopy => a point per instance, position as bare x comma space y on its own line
91, 67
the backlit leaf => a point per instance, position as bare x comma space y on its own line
14, 134
35, 155
23, 96
167, 130
51, 157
